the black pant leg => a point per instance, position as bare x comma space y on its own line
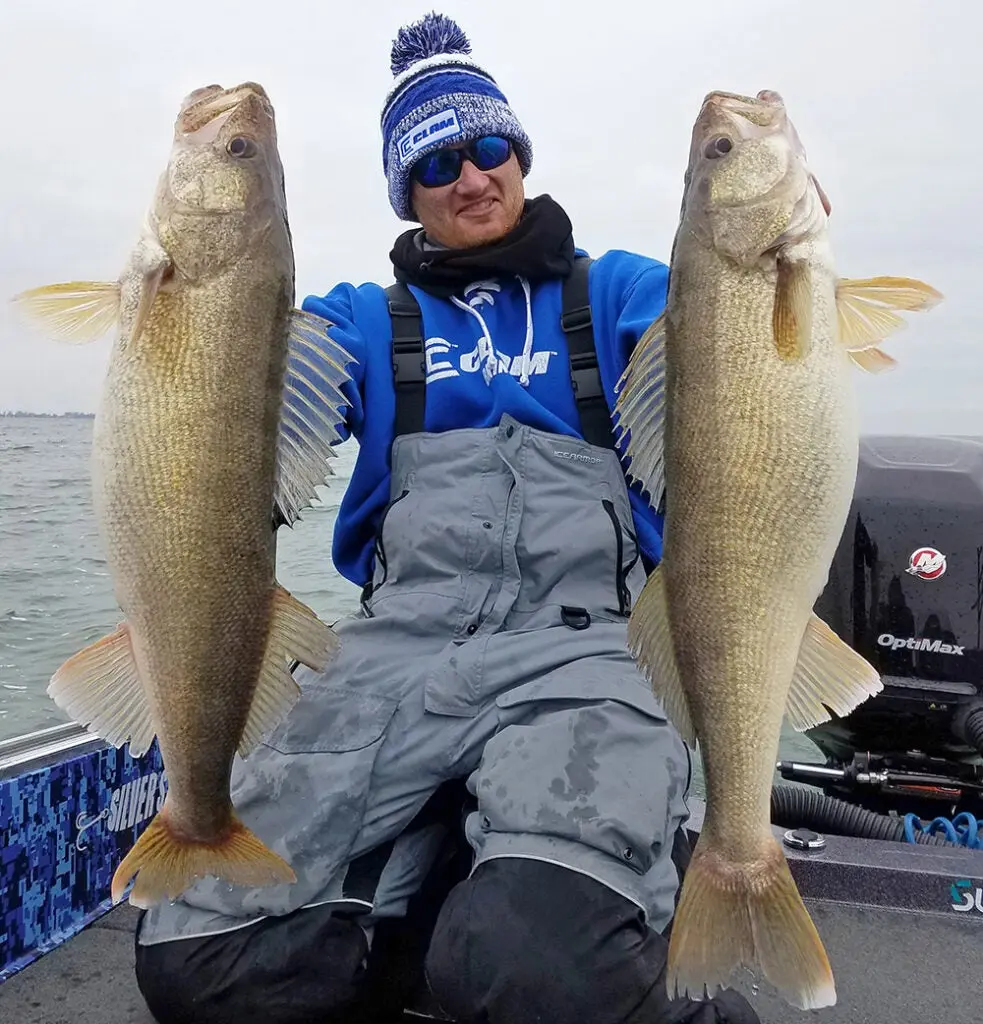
300, 968
524, 941
311, 966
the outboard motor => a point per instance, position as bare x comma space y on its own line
905, 589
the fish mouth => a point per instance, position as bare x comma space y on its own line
205, 110
763, 111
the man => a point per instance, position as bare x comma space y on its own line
500, 551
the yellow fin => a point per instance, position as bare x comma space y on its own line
77, 311
746, 914
828, 675
640, 410
650, 642
873, 360
99, 687
149, 285
864, 307
165, 865
295, 632
792, 312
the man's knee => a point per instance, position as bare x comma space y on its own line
306, 966
524, 940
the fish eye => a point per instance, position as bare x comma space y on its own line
242, 147
717, 147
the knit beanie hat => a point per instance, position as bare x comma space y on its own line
440, 97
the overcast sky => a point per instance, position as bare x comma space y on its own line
886, 96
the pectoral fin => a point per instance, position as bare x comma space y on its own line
792, 312
650, 641
640, 410
312, 409
149, 266
75, 311
295, 633
829, 675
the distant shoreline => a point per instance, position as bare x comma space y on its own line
49, 415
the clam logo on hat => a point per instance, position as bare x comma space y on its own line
926, 564
442, 125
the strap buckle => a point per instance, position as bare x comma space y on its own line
576, 319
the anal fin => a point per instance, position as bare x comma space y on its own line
829, 676
650, 641
295, 633
99, 687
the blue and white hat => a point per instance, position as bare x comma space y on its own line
440, 97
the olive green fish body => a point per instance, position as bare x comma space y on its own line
738, 402
216, 421
184, 453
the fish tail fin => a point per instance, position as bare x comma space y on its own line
732, 915
165, 864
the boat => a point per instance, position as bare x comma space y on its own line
882, 835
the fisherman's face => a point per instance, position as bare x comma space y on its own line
479, 207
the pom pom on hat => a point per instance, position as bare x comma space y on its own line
431, 35
440, 96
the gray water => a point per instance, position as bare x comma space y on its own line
55, 593
56, 596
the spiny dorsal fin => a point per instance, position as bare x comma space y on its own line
640, 410
310, 414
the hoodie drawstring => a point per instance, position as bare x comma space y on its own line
486, 334
527, 348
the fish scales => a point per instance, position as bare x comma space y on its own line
186, 466
217, 415
738, 403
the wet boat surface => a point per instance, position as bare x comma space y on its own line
887, 912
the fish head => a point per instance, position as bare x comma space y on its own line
748, 186
222, 192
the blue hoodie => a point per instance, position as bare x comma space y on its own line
498, 348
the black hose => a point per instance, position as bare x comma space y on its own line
795, 807
973, 729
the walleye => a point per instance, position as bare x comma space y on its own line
216, 420
738, 401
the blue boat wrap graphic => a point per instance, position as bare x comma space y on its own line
63, 831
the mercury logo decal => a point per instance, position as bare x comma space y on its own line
926, 564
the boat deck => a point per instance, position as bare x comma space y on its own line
87, 980
900, 952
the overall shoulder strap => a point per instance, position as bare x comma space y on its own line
409, 364
578, 325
